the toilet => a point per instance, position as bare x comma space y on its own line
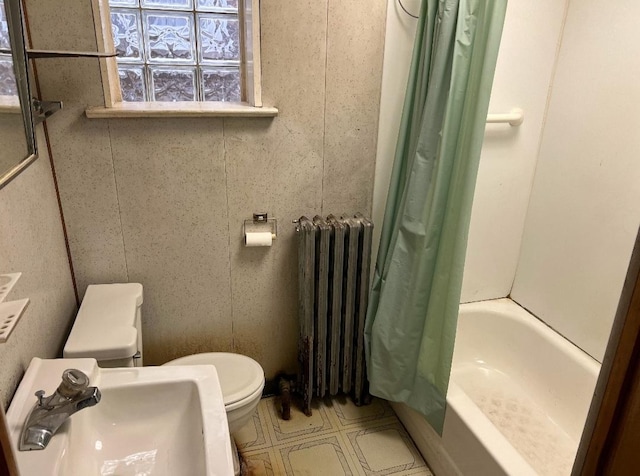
108, 329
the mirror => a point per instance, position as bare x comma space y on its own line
17, 140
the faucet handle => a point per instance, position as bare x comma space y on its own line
73, 383
40, 396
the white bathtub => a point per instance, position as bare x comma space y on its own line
517, 401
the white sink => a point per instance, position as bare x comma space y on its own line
153, 421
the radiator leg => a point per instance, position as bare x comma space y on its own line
364, 398
307, 375
285, 397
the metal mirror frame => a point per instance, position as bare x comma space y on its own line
21, 68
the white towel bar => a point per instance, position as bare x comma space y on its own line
514, 118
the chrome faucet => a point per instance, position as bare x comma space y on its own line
49, 413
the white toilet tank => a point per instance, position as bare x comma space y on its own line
107, 327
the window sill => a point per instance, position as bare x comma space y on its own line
179, 109
10, 105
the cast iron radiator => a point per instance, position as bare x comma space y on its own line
333, 266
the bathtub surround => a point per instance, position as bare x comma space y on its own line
584, 195
507, 163
162, 201
32, 242
524, 74
412, 314
398, 46
585, 204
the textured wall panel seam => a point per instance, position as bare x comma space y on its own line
226, 193
324, 110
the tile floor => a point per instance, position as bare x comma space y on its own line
338, 439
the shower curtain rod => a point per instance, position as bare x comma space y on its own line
515, 117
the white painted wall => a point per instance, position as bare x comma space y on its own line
585, 205
523, 74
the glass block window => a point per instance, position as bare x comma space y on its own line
7, 76
177, 50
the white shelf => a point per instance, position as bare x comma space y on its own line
10, 311
10, 314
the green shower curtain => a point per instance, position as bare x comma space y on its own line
413, 308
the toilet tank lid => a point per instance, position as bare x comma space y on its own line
105, 327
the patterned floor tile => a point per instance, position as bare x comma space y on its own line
385, 449
260, 463
322, 456
345, 413
338, 439
255, 434
299, 426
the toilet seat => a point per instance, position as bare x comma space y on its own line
241, 377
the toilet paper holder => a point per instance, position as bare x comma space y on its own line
260, 223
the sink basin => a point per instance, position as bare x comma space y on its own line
164, 432
150, 421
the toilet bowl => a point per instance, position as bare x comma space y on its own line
241, 380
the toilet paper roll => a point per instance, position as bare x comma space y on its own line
263, 238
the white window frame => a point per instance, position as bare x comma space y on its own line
114, 106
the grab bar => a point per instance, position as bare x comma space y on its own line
515, 117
